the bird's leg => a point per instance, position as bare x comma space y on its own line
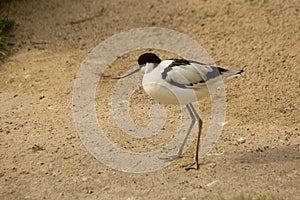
195, 165
179, 153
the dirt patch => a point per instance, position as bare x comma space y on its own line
259, 150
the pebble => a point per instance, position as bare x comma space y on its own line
242, 140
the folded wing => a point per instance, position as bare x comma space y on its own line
191, 74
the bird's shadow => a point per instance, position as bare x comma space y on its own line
269, 155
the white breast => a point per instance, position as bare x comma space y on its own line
165, 93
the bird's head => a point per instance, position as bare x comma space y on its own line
143, 60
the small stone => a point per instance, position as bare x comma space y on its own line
242, 140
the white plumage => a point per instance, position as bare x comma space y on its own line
179, 81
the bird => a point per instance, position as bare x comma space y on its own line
179, 81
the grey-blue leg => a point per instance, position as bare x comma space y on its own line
179, 153
194, 115
189, 130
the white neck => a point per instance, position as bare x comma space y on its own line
148, 67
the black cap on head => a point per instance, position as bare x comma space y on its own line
148, 58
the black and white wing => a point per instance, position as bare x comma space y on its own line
190, 74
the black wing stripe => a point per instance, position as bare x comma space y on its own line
164, 74
216, 71
180, 85
176, 62
179, 62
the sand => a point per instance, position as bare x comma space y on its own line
258, 153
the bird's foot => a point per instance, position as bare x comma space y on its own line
194, 165
171, 158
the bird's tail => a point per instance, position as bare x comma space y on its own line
229, 74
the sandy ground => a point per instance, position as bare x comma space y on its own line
42, 156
